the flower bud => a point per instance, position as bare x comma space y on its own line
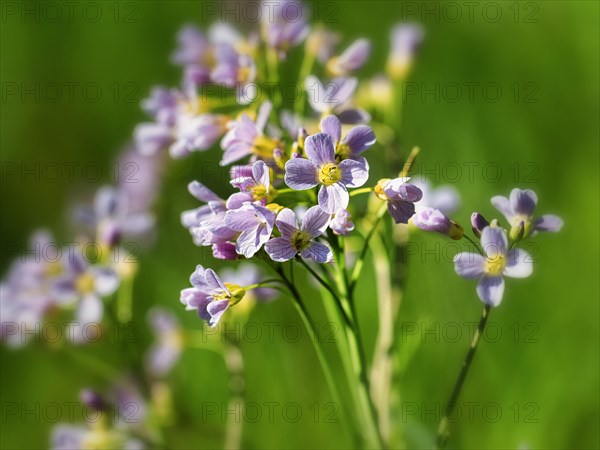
517, 232
92, 399
478, 223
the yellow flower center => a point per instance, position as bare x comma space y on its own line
244, 74
259, 192
263, 146
85, 283
379, 189
300, 240
236, 293
329, 174
342, 152
495, 265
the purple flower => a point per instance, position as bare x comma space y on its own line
321, 168
254, 186
255, 223
247, 137
195, 54
342, 224
406, 39
225, 251
356, 141
352, 59
300, 239
209, 296
334, 98
284, 25
431, 219
498, 262
162, 104
478, 223
166, 349
519, 208
400, 197
196, 133
235, 69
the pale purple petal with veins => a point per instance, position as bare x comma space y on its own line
494, 241
490, 290
519, 264
319, 253
300, 174
469, 265
333, 197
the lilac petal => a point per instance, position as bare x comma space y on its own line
523, 201
494, 241
237, 200
213, 281
202, 193
469, 265
216, 310
287, 223
519, 264
353, 116
354, 173
235, 152
320, 148
161, 358
355, 56
106, 281
398, 188
490, 290
502, 204
316, 93
300, 174
359, 139
242, 219
315, 221
260, 173
151, 138
193, 298
224, 250
318, 252
548, 222
251, 241
280, 249
342, 90
68, 437
89, 310
106, 201
262, 116
333, 197
401, 211
198, 277
332, 126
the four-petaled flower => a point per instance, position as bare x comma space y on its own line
354, 143
400, 197
498, 261
255, 223
321, 168
300, 239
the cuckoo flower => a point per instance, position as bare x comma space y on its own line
406, 39
519, 208
235, 69
431, 219
255, 186
352, 59
246, 137
400, 197
300, 239
498, 261
209, 296
342, 224
255, 223
356, 141
284, 25
165, 351
321, 168
334, 98
195, 53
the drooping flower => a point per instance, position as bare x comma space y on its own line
400, 197
431, 219
247, 137
300, 238
209, 296
405, 40
519, 208
321, 168
356, 141
166, 349
352, 59
335, 97
342, 224
255, 223
490, 269
284, 25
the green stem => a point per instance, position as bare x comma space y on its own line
356, 192
124, 300
443, 432
475, 244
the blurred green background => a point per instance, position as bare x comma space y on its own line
541, 373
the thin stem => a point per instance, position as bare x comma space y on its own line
235, 366
443, 432
363, 253
365, 190
124, 300
475, 244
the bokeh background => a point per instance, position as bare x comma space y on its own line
540, 372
